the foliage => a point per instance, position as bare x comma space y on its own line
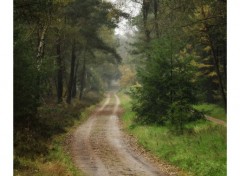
181, 113
128, 76
25, 84
208, 32
43, 37
41, 150
212, 110
108, 72
56, 46
167, 86
201, 150
182, 46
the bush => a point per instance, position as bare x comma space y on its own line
182, 113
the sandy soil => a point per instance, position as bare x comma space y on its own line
218, 121
100, 148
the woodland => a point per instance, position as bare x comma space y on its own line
67, 55
64, 59
180, 51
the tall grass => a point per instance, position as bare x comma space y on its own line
200, 151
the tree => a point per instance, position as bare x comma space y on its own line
31, 22
95, 17
71, 78
57, 44
43, 32
60, 69
210, 29
127, 76
190, 43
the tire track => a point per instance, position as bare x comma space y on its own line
100, 150
84, 156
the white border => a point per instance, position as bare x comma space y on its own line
233, 56
6, 88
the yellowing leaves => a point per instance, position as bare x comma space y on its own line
207, 48
204, 65
212, 74
202, 12
128, 76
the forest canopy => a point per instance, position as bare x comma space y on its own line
58, 46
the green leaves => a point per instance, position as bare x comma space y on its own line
168, 84
185, 64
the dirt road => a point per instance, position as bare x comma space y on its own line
99, 148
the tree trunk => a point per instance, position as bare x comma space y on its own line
59, 71
74, 88
217, 69
40, 54
70, 84
145, 9
156, 18
82, 81
216, 65
41, 43
216, 62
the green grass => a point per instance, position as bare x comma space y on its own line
57, 163
200, 151
212, 110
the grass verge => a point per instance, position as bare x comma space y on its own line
43, 148
200, 151
212, 110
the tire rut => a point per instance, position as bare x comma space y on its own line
99, 147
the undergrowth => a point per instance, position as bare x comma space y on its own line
201, 150
40, 146
213, 110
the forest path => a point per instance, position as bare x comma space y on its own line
100, 148
215, 120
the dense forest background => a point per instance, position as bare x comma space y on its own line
69, 40
179, 58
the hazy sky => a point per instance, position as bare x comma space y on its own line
129, 7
